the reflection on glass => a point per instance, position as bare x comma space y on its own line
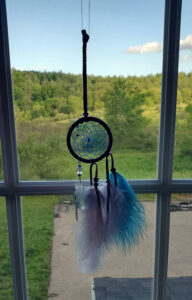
124, 89
179, 285
183, 134
6, 289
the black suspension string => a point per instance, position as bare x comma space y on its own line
85, 40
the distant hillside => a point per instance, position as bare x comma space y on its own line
57, 95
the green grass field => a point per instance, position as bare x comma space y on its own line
38, 214
133, 165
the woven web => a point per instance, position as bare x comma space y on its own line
89, 140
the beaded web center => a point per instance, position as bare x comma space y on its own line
89, 140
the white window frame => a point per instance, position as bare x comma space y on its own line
12, 188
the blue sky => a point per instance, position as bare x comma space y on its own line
46, 35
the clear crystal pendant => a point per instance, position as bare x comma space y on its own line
79, 199
79, 170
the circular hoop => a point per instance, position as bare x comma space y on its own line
101, 143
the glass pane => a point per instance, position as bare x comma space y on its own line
179, 284
124, 87
6, 288
1, 164
38, 216
183, 138
120, 274
49, 235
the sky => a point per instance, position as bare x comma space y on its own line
126, 36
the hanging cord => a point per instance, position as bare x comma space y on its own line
113, 170
89, 16
96, 179
85, 40
82, 14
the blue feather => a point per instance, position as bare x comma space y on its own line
127, 222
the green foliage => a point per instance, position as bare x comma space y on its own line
46, 103
186, 146
41, 158
123, 112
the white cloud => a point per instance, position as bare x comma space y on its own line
146, 48
186, 57
186, 44
153, 47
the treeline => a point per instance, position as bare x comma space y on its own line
55, 94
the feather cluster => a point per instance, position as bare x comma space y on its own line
98, 230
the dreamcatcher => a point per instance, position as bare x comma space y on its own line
112, 215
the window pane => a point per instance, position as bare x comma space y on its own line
183, 138
124, 88
179, 284
38, 216
1, 164
120, 274
49, 234
6, 288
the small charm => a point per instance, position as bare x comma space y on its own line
79, 191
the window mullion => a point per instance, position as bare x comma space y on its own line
10, 165
26, 188
166, 142
8, 137
67, 187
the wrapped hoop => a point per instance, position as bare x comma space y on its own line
89, 139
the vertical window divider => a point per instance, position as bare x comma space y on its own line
10, 164
172, 25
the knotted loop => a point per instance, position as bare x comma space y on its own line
85, 36
96, 179
113, 170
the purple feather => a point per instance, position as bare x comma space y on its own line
90, 233
98, 231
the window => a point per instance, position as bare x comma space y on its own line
12, 188
183, 131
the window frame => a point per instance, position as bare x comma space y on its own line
12, 188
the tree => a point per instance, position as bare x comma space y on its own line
123, 114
